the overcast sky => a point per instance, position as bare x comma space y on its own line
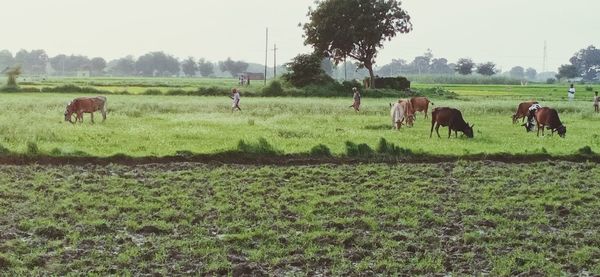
508, 32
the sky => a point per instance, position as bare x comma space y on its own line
507, 32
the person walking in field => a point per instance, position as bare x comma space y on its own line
596, 102
236, 100
571, 92
356, 97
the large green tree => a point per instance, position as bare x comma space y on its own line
587, 62
486, 69
189, 67
464, 66
205, 67
355, 29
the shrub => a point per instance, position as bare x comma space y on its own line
398, 83
589, 88
358, 150
70, 88
177, 92
550, 81
305, 69
32, 148
273, 89
387, 148
586, 150
320, 151
152, 91
263, 147
4, 150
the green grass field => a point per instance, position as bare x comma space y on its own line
163, 125
76, 217
462, 218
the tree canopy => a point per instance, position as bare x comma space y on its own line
233, 67
487, 69
587, 63
354, 28
464, 66
189, 67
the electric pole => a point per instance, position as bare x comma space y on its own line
266, 53
545, 57
274, 61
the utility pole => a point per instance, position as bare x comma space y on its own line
266, 53
274, 61
545, 57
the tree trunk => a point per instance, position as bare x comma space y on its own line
371, 76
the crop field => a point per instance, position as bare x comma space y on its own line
207, 219
338, 210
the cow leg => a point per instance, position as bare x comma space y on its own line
92, 117
80, 117
431, 132
437, 127
449, 131
426, 108
455, 134
103, 114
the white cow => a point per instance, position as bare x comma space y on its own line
397, 114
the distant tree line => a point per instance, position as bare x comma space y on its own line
153, 64
584, 64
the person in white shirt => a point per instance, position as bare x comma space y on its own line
236, 100
571, 94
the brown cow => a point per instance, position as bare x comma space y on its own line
420, 104
409, 113
452, 118
522, 111
85, 105
547, 117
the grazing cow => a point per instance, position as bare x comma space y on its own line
420, 104
547, 117
85, 105
452, 118
409, 113
522, 111
397, 114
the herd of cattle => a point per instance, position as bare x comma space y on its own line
403, 110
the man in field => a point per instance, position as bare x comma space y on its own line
356, 97
236, 100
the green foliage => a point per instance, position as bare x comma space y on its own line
262, 147
4, 150
152, 92
32, 148
550, 81
304, 70
382, 19
567, 71
398, 83
589, 88
464, 66
391, 149
273, 89
320, 150
486, 69
189, 67
70, 88
517, 72
361, 150
584, 63
586, 150
233, 67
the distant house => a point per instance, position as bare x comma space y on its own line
83, 73
253, 76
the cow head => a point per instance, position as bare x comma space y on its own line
514, 118
69, 112
468, 131
562, 130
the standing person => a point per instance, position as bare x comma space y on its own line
356, 97
596, 102
236, 100
571, 93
